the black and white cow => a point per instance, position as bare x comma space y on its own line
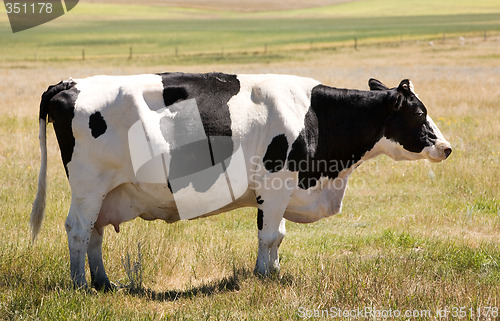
299, 140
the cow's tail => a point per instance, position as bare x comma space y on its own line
38, 210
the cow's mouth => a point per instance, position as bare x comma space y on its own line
436, 160
437, 154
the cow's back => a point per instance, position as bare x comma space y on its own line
251, 109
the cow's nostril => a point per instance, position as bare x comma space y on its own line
447, 152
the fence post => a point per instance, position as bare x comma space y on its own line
83, 54
130, 53
355, 43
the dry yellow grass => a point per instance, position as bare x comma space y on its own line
411, 235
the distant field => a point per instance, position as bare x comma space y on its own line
347, 8
412, 236
160, 34
239, 6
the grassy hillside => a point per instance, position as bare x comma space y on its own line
160, 34
229, 5
390, 8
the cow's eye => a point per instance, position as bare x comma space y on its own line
420, 114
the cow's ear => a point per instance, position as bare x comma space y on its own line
405, 87
376, 85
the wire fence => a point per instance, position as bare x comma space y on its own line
269, 51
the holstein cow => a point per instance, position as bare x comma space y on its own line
286, 145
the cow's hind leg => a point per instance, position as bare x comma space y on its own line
99, 279
79, 225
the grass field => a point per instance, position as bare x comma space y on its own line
164, 35
412, 236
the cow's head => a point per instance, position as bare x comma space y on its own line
410, 133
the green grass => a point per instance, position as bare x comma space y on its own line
188, 36
390, 8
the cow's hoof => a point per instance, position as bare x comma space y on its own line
105, 286
273, 274
258, 273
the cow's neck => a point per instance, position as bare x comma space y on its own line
350, 123
347, 124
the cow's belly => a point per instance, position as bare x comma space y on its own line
323, 200
150, 202
130, 200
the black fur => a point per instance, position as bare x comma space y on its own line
408, 124
49, 94
172, 95
275, 157
212, 92
340, 127
97, 124
58, 103
375, 84
260, 219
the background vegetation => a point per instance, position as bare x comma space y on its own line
412, 236
165, 35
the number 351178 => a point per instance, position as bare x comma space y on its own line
23, 8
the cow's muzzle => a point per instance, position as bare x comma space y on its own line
447, 152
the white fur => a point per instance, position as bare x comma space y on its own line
435, 153
38, 210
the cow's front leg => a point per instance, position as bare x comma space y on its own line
273, 253
99, 279
271, 225
79, 225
